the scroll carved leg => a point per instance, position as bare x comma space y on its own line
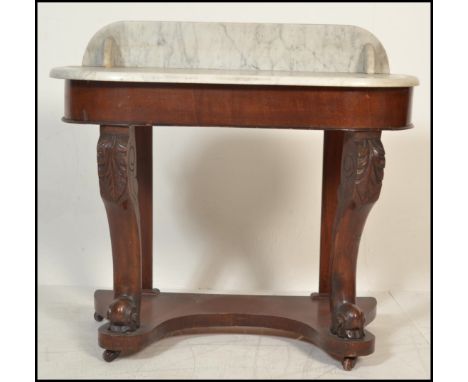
117, 166
362, 165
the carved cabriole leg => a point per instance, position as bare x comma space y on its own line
117, 167
362, 165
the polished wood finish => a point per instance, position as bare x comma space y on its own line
332, 148
302, 317
362, 165
144, 152
237, 105
117, 169
353, 162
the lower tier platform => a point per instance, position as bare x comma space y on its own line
305, 318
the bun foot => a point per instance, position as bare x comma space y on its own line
348, 363
110, 355
98, 317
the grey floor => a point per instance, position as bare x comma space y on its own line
68, 346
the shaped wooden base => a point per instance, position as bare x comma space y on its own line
305, 318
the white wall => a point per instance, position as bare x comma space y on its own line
235, 209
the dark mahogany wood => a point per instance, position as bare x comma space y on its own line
361, 174
144, 152
117, 169
352, 118
301, 317
332, 148
237, 105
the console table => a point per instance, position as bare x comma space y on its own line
335, 78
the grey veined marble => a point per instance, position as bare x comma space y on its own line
234, 46
232, 77
235, 53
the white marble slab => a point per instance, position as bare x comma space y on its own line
235, 53
235, 77
237, 46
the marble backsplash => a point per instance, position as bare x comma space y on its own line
237, 46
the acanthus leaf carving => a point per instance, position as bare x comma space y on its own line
117, 167
363, 169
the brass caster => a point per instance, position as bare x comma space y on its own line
110, 355
98, 317
348, 363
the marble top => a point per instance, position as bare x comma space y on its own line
235, 53
232, 77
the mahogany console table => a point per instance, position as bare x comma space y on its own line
136, 75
